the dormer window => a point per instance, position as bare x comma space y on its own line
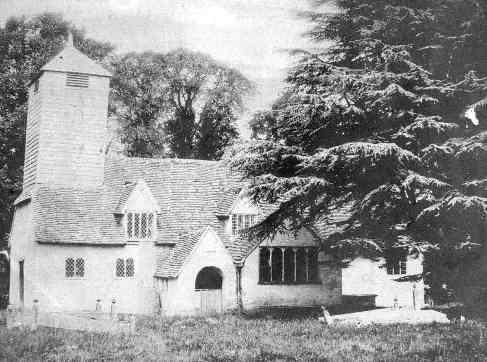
140, 226
241, 222
140, 210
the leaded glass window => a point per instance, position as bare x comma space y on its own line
288, 265
74, 268
125, 268
140, 226
241, 222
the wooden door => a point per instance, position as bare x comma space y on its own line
211, 301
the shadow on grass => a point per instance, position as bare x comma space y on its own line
299, 313
471, 312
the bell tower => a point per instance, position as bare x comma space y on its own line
67, 122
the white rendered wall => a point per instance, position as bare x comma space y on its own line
44, 269
365, 276
20, 237
327, 292
181, 298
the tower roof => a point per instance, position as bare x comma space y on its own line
71, 59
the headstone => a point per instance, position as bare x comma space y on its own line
132, 323
327, 318
35, 318
113, 309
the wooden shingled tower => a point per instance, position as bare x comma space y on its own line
66, 122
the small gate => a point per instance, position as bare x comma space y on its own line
208, 286
210, 301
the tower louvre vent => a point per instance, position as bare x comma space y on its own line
77, 80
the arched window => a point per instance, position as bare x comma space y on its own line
208, 278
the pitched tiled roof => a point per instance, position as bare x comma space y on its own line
239, 247
71, 59
74, 216
170, 266
192, 194
186, 190
124, 196
226, 201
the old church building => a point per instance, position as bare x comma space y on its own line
154, 235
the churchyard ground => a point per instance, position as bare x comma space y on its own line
238, 338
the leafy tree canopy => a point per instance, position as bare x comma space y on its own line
182, 103
137, 101
204, 97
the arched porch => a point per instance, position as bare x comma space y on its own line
208, 288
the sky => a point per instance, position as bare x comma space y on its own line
250, 35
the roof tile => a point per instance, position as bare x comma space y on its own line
192, 194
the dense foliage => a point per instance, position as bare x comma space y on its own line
137, 101
181, 104
385, 120
25, 46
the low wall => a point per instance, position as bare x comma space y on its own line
88, 321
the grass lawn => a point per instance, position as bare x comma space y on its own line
233, 338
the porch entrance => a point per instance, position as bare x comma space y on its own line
208, 286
